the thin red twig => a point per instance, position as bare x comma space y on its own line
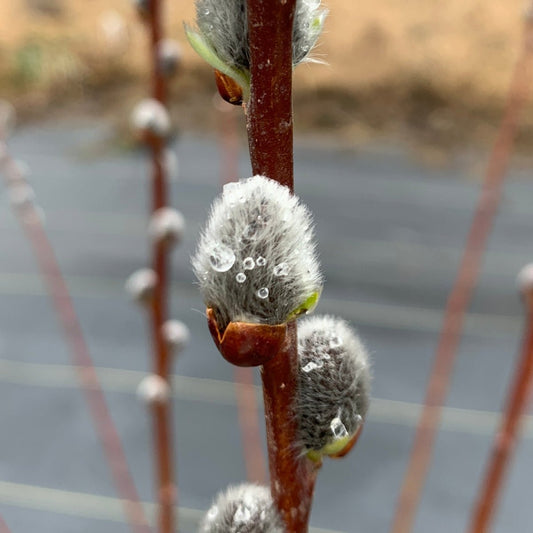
163, 448
270, 137
31, 222
505, 440
461, 294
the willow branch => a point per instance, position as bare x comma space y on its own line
31, 222
461, 293
163, 449
270, 136
505, 440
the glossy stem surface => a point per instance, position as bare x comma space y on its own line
270, 138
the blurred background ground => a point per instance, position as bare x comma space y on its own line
430, 73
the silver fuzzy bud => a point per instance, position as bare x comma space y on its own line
525, 279
222, 35
142, 7
256, 260
176, 334
150, 116
153, 389
21, 195
166, 225
170, 56
246, 508
333, 384
141, 285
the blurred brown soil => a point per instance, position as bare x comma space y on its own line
433, 73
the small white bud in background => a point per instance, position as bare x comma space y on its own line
170, 56
244, 508
35, 215
8, 118
149, 116
114, 31
166, 225
256, 260
153, 389
22, 168
170, 163
21, 195
525, 279
176, 334
141, 285
333, 384
142, 7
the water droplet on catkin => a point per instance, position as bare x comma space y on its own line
221, 258
240, 277
260, 261
262, 293
248, 263
281, 270
338, 428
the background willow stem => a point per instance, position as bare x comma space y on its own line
462, 291
163, 449
505, 440
30, 220
270, 137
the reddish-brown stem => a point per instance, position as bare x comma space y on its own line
505, 440
269, 111
292, 476
81, 359
163, 449
270, 137
461, 294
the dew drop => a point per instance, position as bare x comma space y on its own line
281, 270
206, 11
221, 258
262, 293
309, 367
260, 261
248, 263
240, 277
338, 428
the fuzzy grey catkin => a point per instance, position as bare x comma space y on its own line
223, 24
256, 260
246, 508
333, 381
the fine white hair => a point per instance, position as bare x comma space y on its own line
333, 381
224, 25
256, 260
245, 508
